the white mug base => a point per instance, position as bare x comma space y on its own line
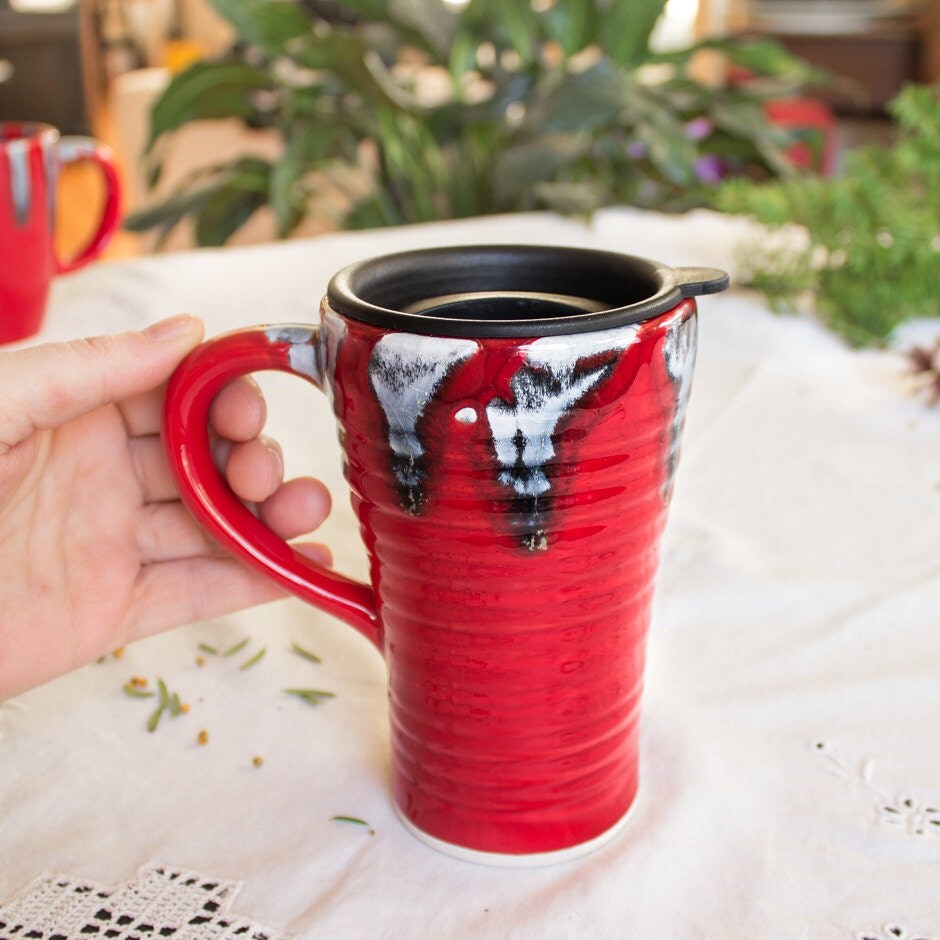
507, 860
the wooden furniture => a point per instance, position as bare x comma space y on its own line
47, 81
875, 56
875, 63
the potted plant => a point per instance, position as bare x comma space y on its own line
412, 110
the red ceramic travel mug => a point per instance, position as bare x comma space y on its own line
31, 156
510, 420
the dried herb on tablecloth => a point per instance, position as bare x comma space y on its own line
237, 648
137, 687
353, 820
305, 653
232, 651
310, 696
248, 663
865, 249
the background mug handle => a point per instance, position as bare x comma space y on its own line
73, 150
190, 393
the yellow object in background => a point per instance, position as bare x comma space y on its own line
182, 53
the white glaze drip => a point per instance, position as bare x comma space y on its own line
544, 391
76, 148
20, 184
333, 332
406, 371
303, 352
679, 348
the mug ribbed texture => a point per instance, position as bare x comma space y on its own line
514, 628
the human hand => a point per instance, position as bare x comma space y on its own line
96, 550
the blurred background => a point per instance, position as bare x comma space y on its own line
99, 66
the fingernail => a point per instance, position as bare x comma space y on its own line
174, 328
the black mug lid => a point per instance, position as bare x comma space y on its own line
513, 290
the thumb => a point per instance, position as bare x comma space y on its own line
44, 386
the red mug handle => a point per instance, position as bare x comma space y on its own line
191, 390
73, 150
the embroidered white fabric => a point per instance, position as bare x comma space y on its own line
158, 903
790, 774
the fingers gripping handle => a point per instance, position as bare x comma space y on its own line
190, 393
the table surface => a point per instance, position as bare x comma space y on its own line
790, 780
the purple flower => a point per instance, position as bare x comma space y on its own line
698, 128
709, 170
637, 150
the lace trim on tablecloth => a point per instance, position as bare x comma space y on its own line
920, 818
892, 932
159, 902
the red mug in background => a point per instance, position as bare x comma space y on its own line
30, 158
510, 420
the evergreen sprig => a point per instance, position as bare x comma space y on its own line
868, 258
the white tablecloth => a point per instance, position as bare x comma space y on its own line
791, 733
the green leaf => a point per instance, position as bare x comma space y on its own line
767, 57
517, 19
373, 211
167, 214
269, 25
573, 24
518, 167
744, 119
225, 213
504, 23
306, 150
431, 20
351, 59
669, 149
463, 51
205, 91
579, 102
625, 27
571, 198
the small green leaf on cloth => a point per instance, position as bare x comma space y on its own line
310, 696
237, 648
305, 653
354, 821
248, 663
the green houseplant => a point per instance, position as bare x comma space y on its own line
860, 250
444, 112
